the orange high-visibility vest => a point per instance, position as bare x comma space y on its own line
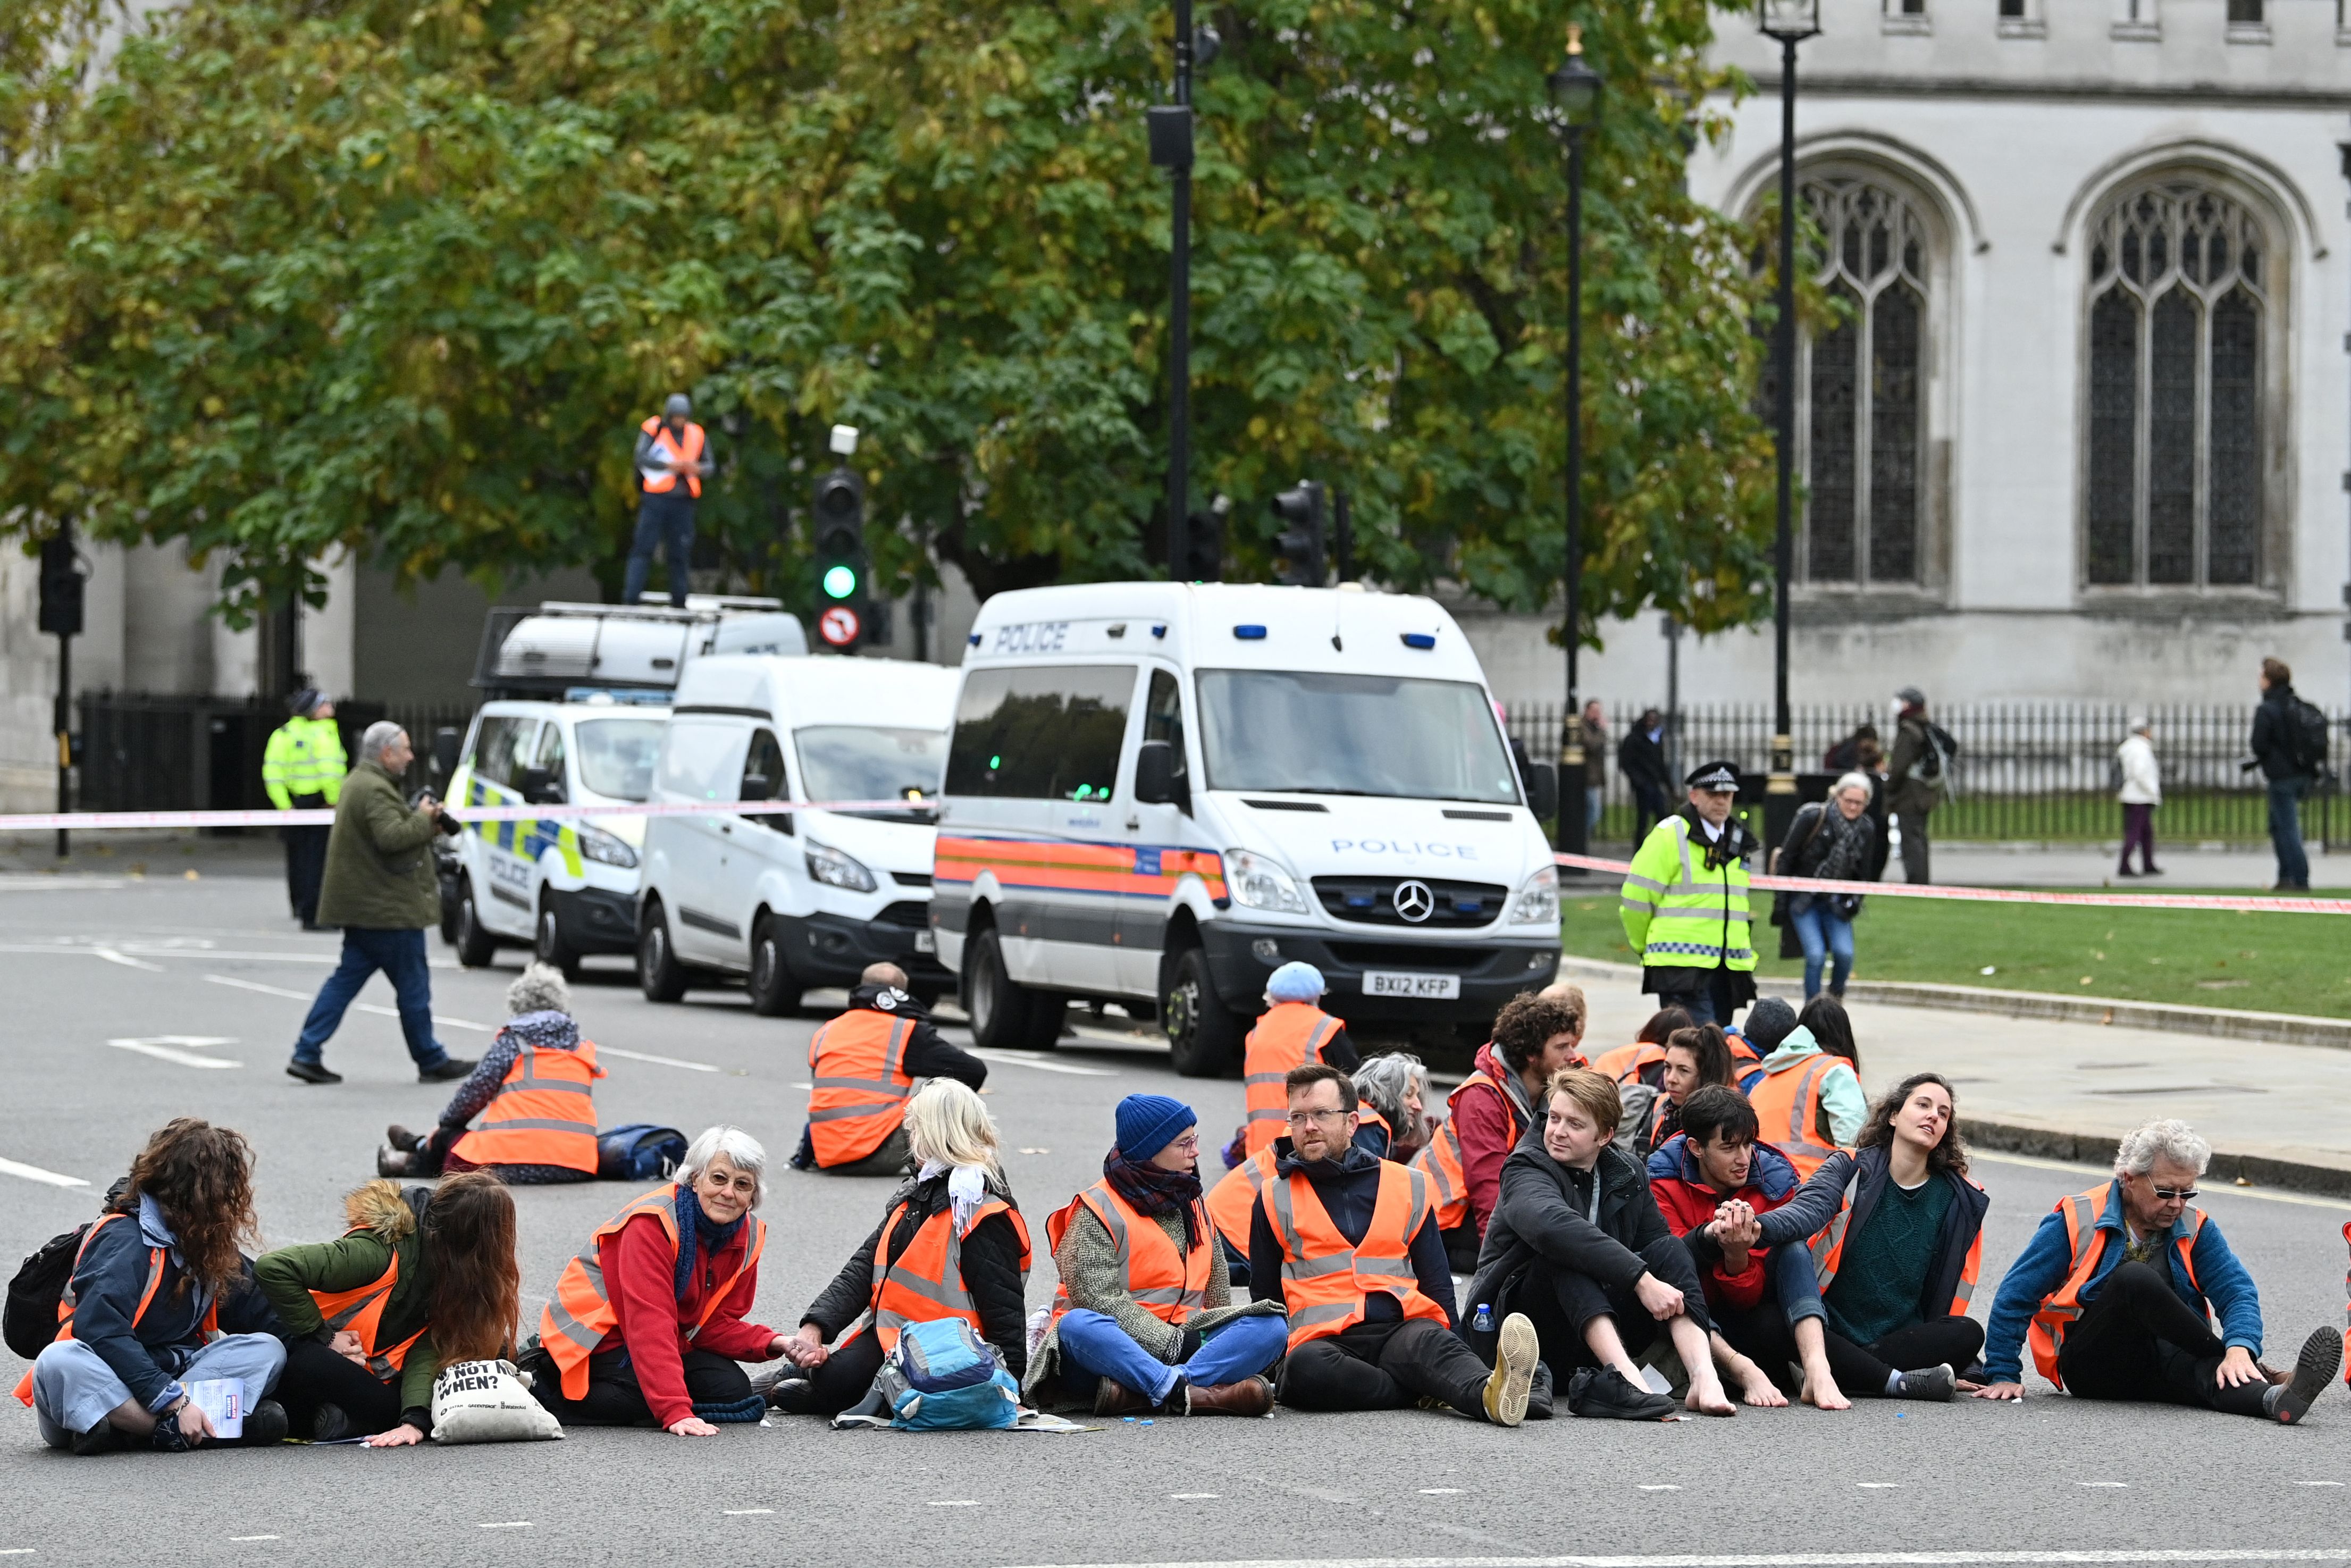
582, 1315
2082, 1212
1235, 1196
858, 1063
1288, 1036
1828, 1250
66, 1299
1448, 1184
1787, 1106
544, 1113
1366, 1116
669, 446
1624, 1064
361, 1312
926, 1281
1325, 1281
1169, 1284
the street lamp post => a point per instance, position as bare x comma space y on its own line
1170, 127
1790, 22
1575, 92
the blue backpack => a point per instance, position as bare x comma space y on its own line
638, 1152
940, 1377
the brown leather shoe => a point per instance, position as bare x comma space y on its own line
401, 1138
391, 1162
1112, 1397
1250, 1396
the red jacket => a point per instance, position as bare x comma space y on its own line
641, 1275
1688, 1203
1483, 1120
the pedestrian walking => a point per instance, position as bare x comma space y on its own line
1684, 902
302, 770
1595, 724
1641, 758
382, 890
2141, 792
1916, 778
672, 460
1828, 842
534, 1090
2289, 746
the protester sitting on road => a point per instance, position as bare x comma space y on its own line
1293, 1031
1809, 1100
1534, 1037
1335, 1217
1642, 1058
1831, 1027
1144, 1321
1897, 1230
863, 1065
1710, 1180
1578, 1246
1831, 840
533, 1090
1694, 1057
161, 1297
1392, 1097
951, 1244
649, 1320
422, 1277
2118, 1290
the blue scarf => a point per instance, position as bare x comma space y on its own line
697, 1230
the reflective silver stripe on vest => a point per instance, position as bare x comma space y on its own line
947, 1293
1800, 1119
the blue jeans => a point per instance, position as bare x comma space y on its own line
1592, 808
401, 955
1795, 1281
661, 521
1092, 1342
2285, 831
1823, 932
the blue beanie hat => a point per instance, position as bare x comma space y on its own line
1296, 982
1149, 1123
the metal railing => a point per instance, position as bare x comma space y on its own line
141, 751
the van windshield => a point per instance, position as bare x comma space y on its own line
1319, 733
855, 762
617, 756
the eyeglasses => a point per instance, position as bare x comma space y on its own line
1299, 1118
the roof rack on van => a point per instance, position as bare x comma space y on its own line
546, 651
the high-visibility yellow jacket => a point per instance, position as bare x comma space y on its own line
305, 757
1680, 913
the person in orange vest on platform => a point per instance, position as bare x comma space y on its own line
1896, 1227
1292, 1032
422, 1277
671, 461
1808, 1099
1144, 1321
863, 1065
951, 1244
1348, 1243
647, 1323
1535, 1034
2117, 1292
533, 1090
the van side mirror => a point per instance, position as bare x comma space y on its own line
445, 742
758, 787
1542, 789
541, 786
1155, 773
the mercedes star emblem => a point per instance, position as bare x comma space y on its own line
1414, 902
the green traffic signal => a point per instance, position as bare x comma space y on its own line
840, 582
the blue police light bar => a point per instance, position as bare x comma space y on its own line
1420, 640
1249, 633
973, 639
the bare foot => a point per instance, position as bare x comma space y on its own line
1762, 1391
1821, 1393
1710, 1401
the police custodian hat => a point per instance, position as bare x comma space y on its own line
1720, 776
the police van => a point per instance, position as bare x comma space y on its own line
794, 901
1158, 792
568, 887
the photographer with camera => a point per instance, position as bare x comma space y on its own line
380, 889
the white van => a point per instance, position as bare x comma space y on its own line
563, 888
1158, 792
794, 901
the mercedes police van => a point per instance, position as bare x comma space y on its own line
1158, 792
580, 697
794, 901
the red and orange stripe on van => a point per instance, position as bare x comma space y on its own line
1060, 866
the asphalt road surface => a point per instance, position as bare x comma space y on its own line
132, 1001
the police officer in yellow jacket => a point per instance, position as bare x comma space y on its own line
1684, 902
303, 771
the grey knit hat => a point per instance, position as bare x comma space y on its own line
1768, 1021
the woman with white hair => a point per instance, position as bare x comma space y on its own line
1830, 841
648, 1322
2139, 792
1392, 1088
951, 1244
2117, 1292
535, 1092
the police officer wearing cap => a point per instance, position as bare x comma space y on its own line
1684, 902
672, 458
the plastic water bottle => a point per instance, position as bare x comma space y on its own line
1483, 1318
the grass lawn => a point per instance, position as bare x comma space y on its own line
2268, 963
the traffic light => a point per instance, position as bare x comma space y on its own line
61, 586
1299, 549
842, 609
1204, 544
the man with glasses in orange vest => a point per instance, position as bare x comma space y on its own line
863, 1065
1349, 1244
1293, 1031
672, 458
2116, 1291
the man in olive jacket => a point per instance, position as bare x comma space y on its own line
379, 887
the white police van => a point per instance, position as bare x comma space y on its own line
794, 901
1158, 792
568, 887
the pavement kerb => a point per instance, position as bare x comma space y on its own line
2098, 1149
2218, 1024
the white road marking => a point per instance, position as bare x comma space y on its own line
2116, 1484
1191, 1496
1440, 1492
1659, 1486
35, 1172
657, 1061
167, 1048
954, 1502
17, 1551
1779, 1560
1878, 1486
509, 1524
738, 1512
257, 986
1022, 1058
257, 1538
2318, 1483
376, 1008
2217, 1189
116, 955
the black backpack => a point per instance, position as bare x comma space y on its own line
2306, 734
30, 1321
